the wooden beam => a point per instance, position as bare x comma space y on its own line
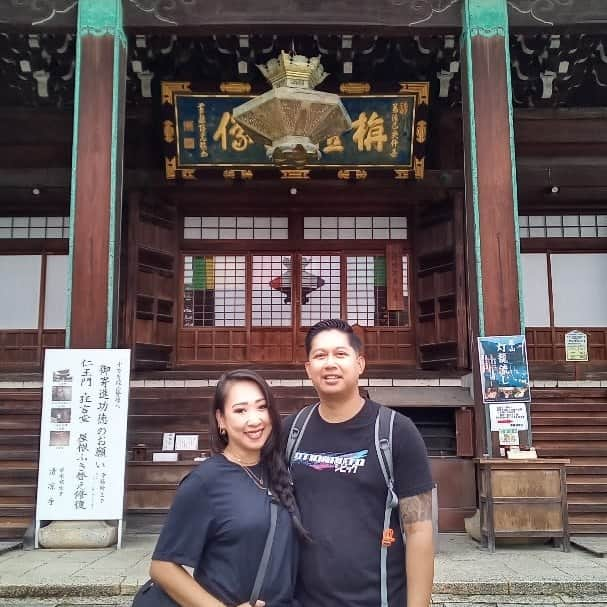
574, 15
213, 16
276, 16
32, 16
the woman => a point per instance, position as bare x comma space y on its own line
220, 517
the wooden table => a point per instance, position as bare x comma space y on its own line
523, 498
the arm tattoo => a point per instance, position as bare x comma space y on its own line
416, 508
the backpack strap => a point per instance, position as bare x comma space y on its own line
297, 430
384, 424
267, 551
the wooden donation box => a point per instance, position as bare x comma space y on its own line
523, 498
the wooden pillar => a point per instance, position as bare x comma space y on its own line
491, 200
96, 191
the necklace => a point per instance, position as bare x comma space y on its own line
258, 480
238, 460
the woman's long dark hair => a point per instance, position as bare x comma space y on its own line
272, 458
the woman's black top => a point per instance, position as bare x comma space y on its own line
218, 525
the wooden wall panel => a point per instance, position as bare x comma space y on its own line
24, 350
548, 343
456, 486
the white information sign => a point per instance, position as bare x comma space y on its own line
83, 435
508, 416
576, 346
508, 437
168, 441
186, 442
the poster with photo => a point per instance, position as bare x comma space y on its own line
503, 369
83, 435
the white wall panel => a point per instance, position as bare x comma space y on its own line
579, 285
20, 301
55, 300
535, 289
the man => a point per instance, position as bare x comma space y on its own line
341, 490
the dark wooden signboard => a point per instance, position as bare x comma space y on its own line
388, 132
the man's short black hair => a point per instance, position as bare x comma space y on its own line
333, 324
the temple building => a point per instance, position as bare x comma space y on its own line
463, 194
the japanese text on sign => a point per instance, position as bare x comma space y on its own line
83, 435
503, 368
381, 134
508, 416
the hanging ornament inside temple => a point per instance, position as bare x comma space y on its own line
309, 282
292, 119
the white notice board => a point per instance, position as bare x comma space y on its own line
83, 435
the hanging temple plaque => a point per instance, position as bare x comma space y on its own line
388, 133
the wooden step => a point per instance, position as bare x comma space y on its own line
18, 454
580, 503
173, 422
13, 528
588, 518
21, 475
569, 449
19, 464
153, 486
25, 423
17, 500
143, 473
599, 469
19, 441
587, 528
17, 490
586, 484
16, 511
586, 433
568, 406
572, 420
10, 407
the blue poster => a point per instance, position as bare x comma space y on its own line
504, 369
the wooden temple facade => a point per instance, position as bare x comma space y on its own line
498, 228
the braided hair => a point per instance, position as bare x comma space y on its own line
272, 458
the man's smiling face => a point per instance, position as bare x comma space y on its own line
333, 365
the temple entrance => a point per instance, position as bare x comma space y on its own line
257, 306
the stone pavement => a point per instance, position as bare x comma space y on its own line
466, 576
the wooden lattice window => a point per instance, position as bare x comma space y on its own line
214, 291
368, 289
271, 291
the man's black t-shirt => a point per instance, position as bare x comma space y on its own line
342, 497
218, 525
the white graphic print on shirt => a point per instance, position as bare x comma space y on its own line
347, 463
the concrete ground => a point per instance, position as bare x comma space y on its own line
466, 576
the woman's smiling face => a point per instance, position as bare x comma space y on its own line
246, 419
